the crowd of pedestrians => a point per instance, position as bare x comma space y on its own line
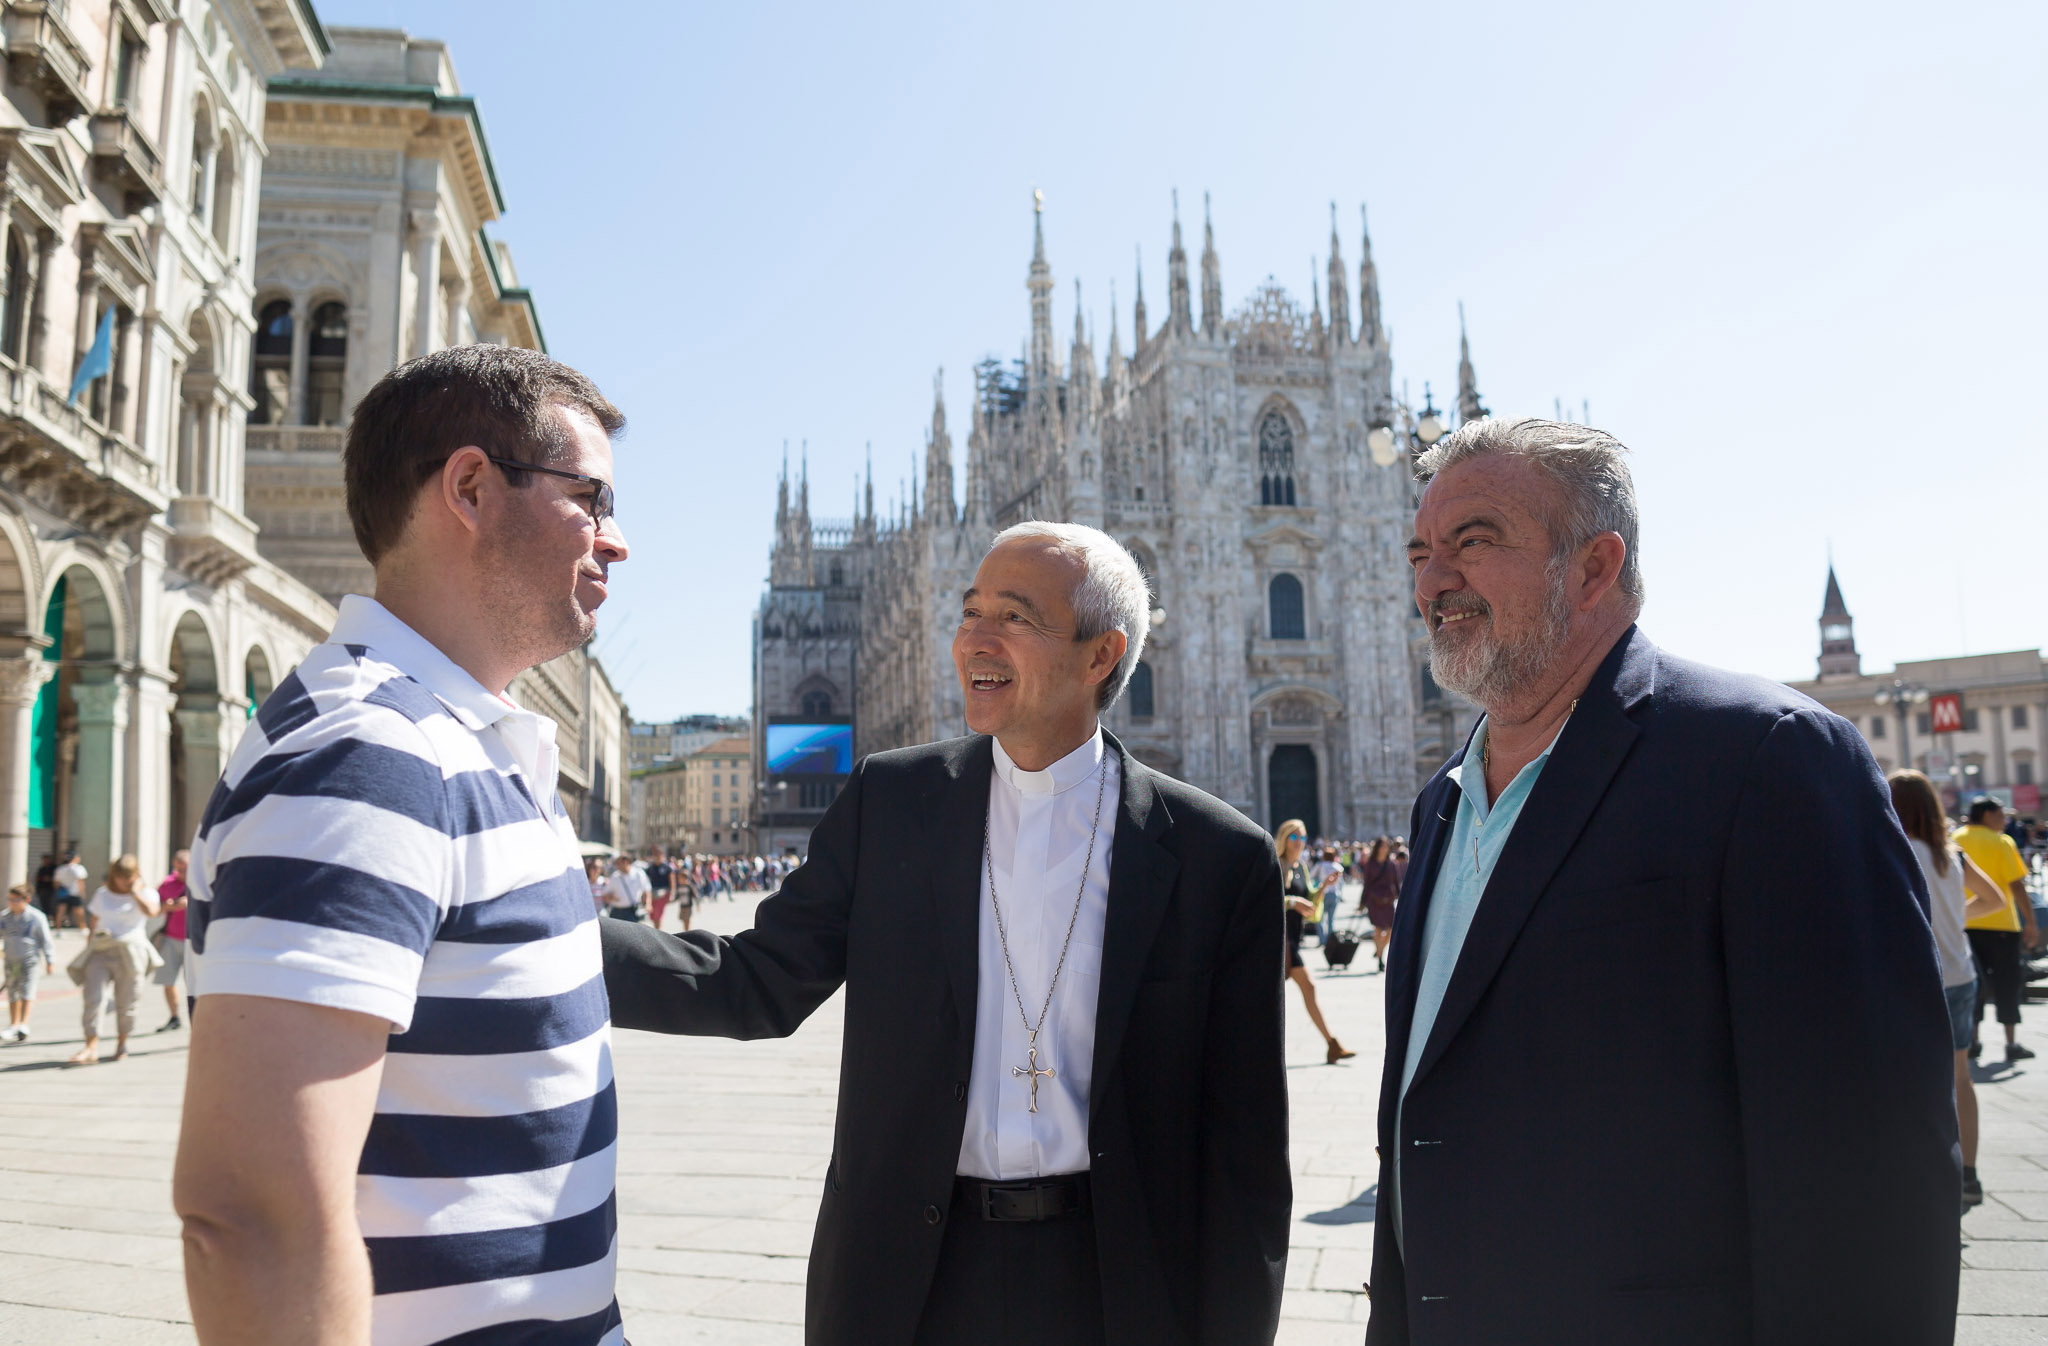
646, 888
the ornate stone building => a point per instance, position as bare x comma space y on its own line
138, 621
1229, 453
1998, 741
371, 249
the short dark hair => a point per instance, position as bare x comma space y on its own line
1984, 804
498, 398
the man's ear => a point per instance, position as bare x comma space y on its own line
1599, 569
1109, 652
461, 484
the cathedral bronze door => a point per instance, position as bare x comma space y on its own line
1291, 787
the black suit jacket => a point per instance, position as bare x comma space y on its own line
1188, 1101
1691, 1081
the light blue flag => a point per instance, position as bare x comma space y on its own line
98, 361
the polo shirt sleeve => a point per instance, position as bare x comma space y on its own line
322, 870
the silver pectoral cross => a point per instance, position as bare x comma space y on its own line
1033, 1073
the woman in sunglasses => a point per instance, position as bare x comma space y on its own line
1302, 906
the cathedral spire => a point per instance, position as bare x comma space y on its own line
1369, 331
1081, 386
1340, 299
938, 459
1039, 283
1116, 347
1138, 338
1468, 383
1315, 295
1180, 311
1212, 277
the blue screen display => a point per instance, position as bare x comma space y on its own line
810, 749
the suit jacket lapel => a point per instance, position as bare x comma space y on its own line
1141, 874
1582, 765
1404, 954
959, 823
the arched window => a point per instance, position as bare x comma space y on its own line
1284, 606
1276, 460
270, 364
326, 361
838, 575
11, 324
817, 705
1140, 691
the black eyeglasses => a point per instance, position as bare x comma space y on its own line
602, 500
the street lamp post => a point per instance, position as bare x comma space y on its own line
1904, 696
1420, 432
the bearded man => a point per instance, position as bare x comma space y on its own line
1062, 1098
1668, 1059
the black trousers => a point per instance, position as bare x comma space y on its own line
1000, 1283
1999, 978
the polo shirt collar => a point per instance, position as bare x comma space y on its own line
1475, 755
1076, 767
366, 622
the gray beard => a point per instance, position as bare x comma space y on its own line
1493, 673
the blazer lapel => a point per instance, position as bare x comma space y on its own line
959, 824
1141, 874
1589, 751
1404, 954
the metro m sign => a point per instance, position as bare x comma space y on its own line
1945, 713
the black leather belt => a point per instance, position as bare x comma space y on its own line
1025, 1200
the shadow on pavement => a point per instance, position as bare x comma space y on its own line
1360, 1209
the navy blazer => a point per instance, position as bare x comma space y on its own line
1692, 1079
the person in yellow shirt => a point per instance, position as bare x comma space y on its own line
1996, 940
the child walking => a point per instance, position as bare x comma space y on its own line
25, 935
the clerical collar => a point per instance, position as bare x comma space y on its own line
1076, 768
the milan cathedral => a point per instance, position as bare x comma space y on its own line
1285, 672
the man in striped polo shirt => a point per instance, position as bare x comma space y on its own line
399, 1119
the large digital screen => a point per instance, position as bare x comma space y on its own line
810, 749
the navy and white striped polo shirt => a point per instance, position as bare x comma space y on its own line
387, 839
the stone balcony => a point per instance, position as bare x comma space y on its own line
68, 462
295, 439
45, 56
209, 541
122, 155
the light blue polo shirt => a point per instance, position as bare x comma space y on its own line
1477, 839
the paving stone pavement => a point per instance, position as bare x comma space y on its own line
723, 1151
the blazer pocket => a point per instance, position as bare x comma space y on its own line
1576, 913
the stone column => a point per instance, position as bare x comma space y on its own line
39, 301
149, 772
458, 299
426, 271
301, 343
21, 678
98, 790
199, 732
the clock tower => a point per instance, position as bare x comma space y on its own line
1838, 657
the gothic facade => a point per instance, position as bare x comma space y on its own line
1229, 453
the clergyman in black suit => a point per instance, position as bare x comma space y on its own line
1062, 1104
1667, 1057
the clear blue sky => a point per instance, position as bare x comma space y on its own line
1792, 254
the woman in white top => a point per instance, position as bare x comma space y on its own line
116, 953
1948, 873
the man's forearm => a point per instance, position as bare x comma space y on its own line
276, 1283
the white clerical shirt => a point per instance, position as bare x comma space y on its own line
1038, 827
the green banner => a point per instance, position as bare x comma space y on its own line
42, 774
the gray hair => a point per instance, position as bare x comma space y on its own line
1112, 594
1583, 463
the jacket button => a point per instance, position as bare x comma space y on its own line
931, 1215
960, 1092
